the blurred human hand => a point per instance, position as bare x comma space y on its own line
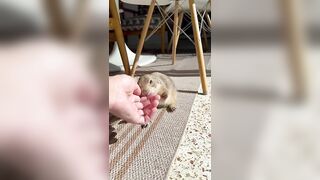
51, 115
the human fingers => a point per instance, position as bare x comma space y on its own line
135, 115
136, 89
145, 102
147, 111
138, 118
140, 112
153, 97
150, 114
147, 118
155, 103
134, 98
143, 98
139, 105
153, 110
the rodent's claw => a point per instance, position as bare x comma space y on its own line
171, 109
144, 126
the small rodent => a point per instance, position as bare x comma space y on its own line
158, 83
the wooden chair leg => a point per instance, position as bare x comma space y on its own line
175, 32
119, 36
207, 15
208, 19
181, 15
170, 44
80, 20
163, 33
57, 20
205, 38
295, 43
163, 38
143, 36
198, 45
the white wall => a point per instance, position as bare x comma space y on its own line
243, 13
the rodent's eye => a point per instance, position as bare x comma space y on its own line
150, 81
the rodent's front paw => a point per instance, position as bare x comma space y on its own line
112, 138
171, 108
144, 126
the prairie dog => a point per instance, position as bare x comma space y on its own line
158, 83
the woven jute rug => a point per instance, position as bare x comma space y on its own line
147, 153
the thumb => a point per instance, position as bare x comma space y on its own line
136, 90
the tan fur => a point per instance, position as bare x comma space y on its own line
158, 83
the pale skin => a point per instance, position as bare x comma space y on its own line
52, 108
124, 93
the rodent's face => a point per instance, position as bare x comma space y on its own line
148, 85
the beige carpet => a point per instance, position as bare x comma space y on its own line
147, 153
